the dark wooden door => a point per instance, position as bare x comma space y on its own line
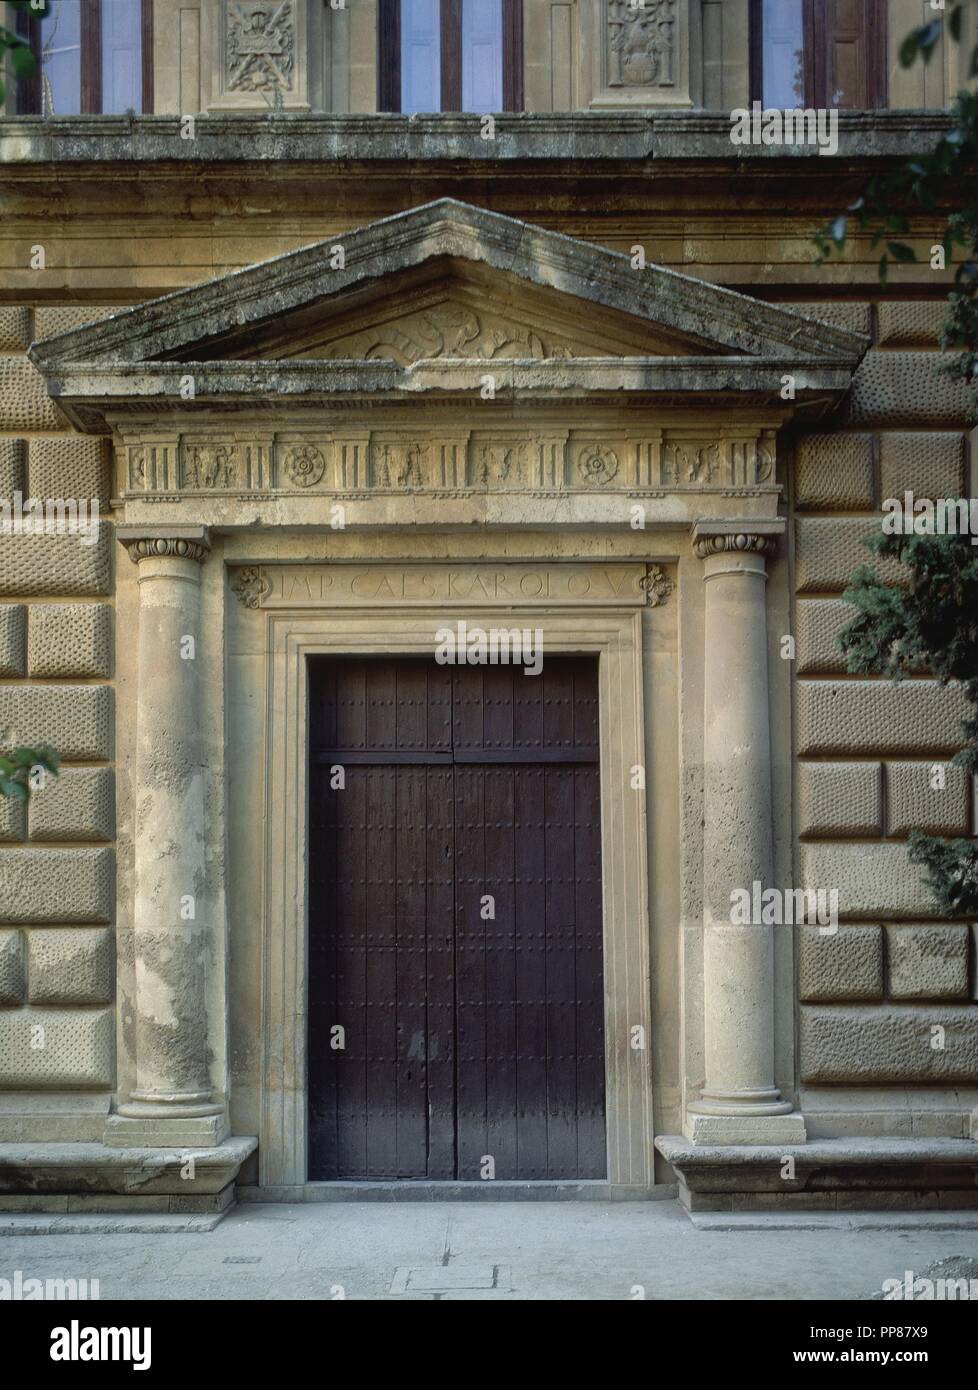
456, 1012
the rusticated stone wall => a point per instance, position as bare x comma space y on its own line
890, 1000
57, 869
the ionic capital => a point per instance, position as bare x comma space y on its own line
178, 542
737, 537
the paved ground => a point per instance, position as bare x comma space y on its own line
512, 1250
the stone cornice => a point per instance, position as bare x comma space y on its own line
89, 392
224, 319
602, 138
178, 542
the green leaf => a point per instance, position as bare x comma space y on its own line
22, 60
8, 787
900, 251
884, 271
909, 49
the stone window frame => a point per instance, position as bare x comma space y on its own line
29, 88
389, 55
817, 36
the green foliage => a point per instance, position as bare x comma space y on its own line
930, 626
14, 48
23, 765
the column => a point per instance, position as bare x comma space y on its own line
171, 1105
740, 1102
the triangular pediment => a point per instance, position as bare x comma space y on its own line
448, 280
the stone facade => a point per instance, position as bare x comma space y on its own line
318, 408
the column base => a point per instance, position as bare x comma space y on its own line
131, 1129
788, 1127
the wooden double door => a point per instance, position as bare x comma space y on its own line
456, 1003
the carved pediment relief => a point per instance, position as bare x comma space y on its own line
451, 329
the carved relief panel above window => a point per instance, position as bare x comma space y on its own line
641, 53
262, 55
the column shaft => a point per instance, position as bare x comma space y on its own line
171, 929
740, 1102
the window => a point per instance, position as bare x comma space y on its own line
819, 53
451, 55
93, 56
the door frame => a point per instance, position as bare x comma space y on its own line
615, 635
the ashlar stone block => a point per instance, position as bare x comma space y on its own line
57, 1049
56, 885
840, 966
69, 639
73, 466
15, 329
24, 400
927, 962
840, 799
907, 388
78, 804
818, 622
13, 469
13, 639
13, 974
57, 564
835, 472
933, 797
841, 718
855, 316
13, 820
871, 880
911, 323
62, 318
70, 965
883, 1045
929, 465
74, 719
829, 550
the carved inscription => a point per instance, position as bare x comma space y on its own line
352, 586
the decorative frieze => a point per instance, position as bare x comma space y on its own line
597, 465
504, 459
303, 465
